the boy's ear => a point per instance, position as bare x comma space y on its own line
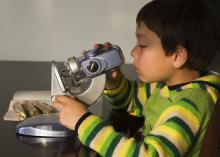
179, 57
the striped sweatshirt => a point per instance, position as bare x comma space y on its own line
176, 118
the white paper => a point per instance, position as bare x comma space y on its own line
42, 96
32, 95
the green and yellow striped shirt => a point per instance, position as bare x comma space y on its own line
175, 119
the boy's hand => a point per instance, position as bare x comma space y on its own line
114, 76
113, 79
70, 110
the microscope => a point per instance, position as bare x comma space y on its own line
83, 77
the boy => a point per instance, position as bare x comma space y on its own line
176, 40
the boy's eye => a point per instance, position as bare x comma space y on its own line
142, 46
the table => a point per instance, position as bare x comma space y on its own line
17, 75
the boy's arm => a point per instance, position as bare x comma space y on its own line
130, 95
172, 136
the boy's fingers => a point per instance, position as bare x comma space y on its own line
114, 74
82, 52
62, 98
98, 46
57, 105
70, 96
107, 44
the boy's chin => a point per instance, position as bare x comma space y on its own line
145, 80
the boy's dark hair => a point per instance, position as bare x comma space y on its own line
186, 23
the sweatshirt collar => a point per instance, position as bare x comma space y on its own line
209, 81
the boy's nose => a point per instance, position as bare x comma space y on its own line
133, 52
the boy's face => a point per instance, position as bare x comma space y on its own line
150, 61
